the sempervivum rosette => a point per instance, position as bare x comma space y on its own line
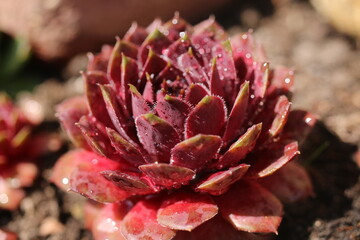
19, 148
180, 130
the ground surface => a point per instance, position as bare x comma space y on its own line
327, 83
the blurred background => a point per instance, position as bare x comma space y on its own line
43, 46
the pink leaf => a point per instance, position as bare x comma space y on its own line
216, 87
108, 221
251, 208
185, 211
191, 68
141, 223
138, 103
129, 75
157, 41
282, 109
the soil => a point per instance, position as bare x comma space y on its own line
327, 83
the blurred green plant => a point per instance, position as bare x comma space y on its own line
15, 55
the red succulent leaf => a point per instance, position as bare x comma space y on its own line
251, 208
100, 61
208, 117
282, 110
174, 111
136, 34
153, 66
216, 87
238, 114
114, 66
195, 152
178, 48
270, 160
167, 175
174, 27
96, 136
290, 184
185, 211
157, 136
80, 170
241, 147
157, 41
138, 103
191, 68
195, 93
94, 96
117, 114
218, 183
141, 223
261, 80
126, 149
107, 222
129, 75
132, 183
225, 62
69, 112
218, 228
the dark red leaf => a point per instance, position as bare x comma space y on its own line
208, 117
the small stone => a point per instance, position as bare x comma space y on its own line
50, 226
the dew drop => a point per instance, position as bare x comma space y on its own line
94, 161
182, 34
248, 55
308, 119
65, 181
252, 96
287, 80
175, 21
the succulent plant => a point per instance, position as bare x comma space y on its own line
18, 151
184, 132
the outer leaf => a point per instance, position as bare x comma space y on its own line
138, 103
290, 184
268, 161
127, 150
69, 112
108, 221
195, 152
186, 210
219, 182
132, 183
167, 175
141, 224
282, 110
241, 147
251, 208
208, 117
